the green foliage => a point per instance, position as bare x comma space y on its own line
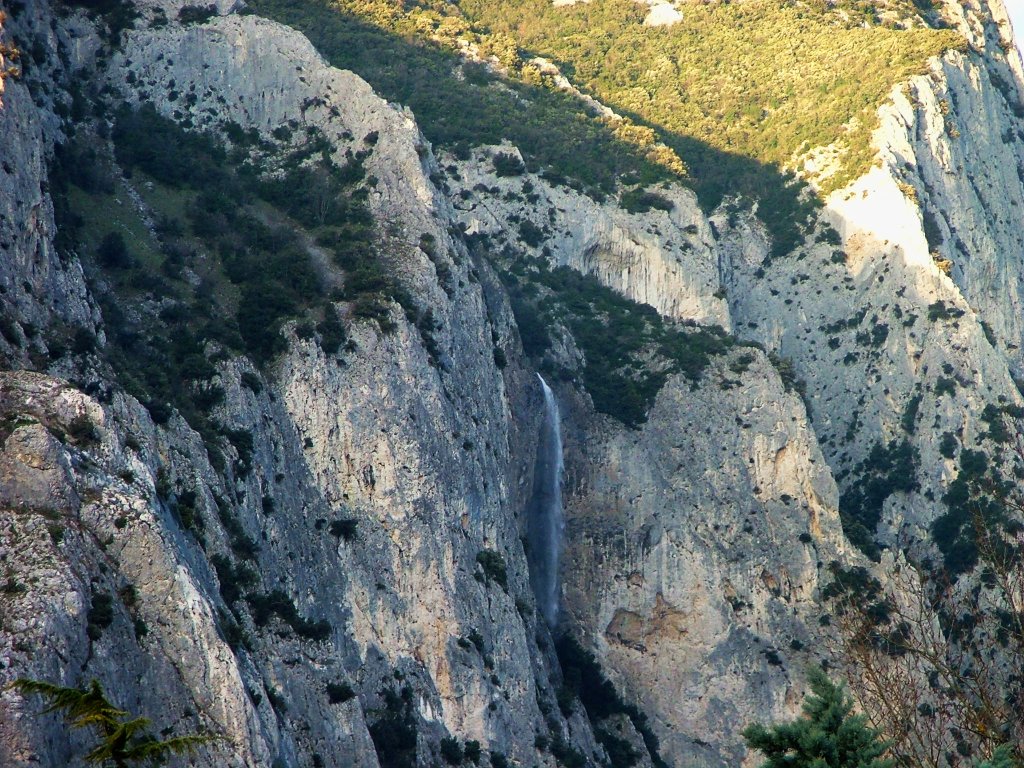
1003, 757
945, 385
630, 350
100, 615
493, 565
241, 543
735, 98
394, 730
995, 416
266, 605
909, 420
939, 310
261, 274
722, 89
621, 753
567, 755
584, 680
979, 512
344, 528
339, 693
948, 445
506, 164
234, 579
530, 233
451, 751
642, 201
856, 585
888, 469
113, 252
196, 14
156, 146
117, 15
121, 739
410, 56
828, 735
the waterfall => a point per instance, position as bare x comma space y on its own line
545, 523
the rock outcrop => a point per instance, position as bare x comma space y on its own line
353, 570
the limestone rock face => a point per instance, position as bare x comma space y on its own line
874, 325
954, 137
373, 484
696, 545
663, 258
38, 287
694, 549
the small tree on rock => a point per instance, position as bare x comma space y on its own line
123, 740
828, 735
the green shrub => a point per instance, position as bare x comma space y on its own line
394, 731
493, 565
196, 14
234, 580
460, 104
829, 733
978, 502
629, 349
100, 615
339, 693
451, 751
266, 605
112, 252
909, 419
344, 529
888, 469
584, 679
642, 201
945, 386
506, 164
531, 234
939, 310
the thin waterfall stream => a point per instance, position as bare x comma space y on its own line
545, 521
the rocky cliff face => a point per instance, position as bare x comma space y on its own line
373, 482
353, 572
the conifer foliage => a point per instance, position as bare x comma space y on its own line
123, 739
1001, 758
827, 736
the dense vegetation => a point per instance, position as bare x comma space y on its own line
585, 682
737, 99
829, 735
887, 469
629, 349
721, 93
121, 740
228, 260
460, 104
759, 79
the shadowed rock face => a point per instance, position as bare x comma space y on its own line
694, 545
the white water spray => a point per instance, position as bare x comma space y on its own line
545, 522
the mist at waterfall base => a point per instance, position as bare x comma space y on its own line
545, 524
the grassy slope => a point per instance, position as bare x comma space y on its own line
757, 79
459, 106
736, 90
